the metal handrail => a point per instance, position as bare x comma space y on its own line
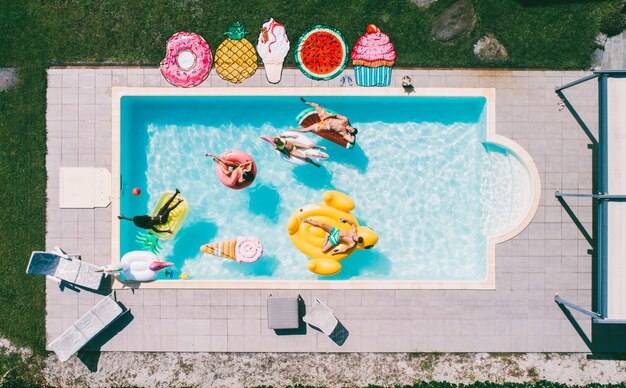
601, 199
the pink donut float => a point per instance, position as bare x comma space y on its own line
187, 61
232, 181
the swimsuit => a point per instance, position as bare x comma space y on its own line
145, 222
333, 236
324, 115
323, 125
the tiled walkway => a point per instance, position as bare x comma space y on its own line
519, 316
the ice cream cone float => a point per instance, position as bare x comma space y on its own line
272, 47
243, 249
273, 71
225, 249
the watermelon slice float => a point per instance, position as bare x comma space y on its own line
321, 53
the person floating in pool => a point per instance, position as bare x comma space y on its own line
237, 172
294, 148
150, 222
330, 122
334, 236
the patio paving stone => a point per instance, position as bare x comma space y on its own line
518, 316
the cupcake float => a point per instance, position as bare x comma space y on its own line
373, 56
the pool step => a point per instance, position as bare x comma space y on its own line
505, 190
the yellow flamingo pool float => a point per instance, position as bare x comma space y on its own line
309, 239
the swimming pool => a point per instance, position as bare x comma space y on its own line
428, 174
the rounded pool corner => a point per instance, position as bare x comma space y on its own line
532, 185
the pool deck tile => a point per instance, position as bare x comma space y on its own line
519, 316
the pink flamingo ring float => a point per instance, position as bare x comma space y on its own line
187, 61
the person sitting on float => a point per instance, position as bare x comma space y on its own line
237, 172
292, 148
334, 236
330, 122
150, 222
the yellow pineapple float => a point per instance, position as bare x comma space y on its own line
235, 58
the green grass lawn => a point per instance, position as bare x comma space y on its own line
35, 34
22, 224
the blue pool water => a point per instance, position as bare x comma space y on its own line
421, 176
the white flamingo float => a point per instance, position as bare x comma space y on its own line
138, 266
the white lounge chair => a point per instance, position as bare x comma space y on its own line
61, 267
86, 327
320, 316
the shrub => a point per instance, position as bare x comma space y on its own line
613, 23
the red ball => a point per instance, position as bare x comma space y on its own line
136, 191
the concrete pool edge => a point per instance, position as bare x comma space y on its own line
488, 93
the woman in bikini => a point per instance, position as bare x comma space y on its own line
334, 236
330, 122
237, 172
293, 148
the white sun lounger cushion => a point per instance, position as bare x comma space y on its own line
71, 270
282, 313
86, 327
320, 316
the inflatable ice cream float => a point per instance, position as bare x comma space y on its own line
243, 249
272, 47
373, 56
